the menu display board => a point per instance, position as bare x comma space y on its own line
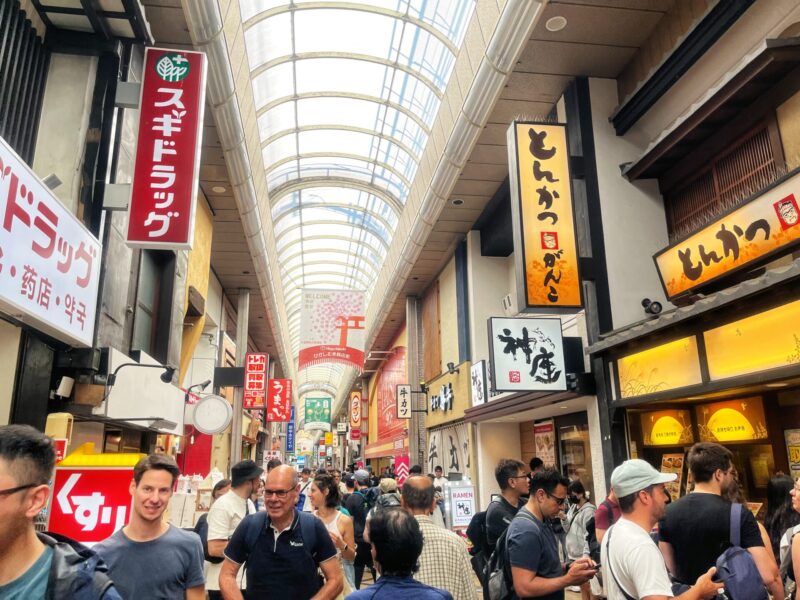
673, 463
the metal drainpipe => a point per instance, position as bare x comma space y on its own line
206, 28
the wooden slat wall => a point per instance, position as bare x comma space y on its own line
431, 334
723, 182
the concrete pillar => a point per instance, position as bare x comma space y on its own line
242, 316
416, 425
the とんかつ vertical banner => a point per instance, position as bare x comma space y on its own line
546, 250
166, 172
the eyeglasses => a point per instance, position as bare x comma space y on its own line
20, 488
277, 493
559, 500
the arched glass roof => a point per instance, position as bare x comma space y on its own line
346, 94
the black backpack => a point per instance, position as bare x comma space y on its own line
201, 529
591, 533
481, 550
499, 585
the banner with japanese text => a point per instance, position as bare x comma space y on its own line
166, 172
332, 328
279, 400
318, 414
290, 434
49, 262
355, 415
766, 226
392, 374
546, 251
449, 448
255, 380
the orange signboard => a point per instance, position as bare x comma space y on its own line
739, 420
544, 226
666, 367
667, 428
764, 227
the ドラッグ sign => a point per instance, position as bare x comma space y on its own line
166, 172
49, 262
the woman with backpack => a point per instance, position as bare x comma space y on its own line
578, 515
326, 500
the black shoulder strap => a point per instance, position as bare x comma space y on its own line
611, 569
256, 525
736, 524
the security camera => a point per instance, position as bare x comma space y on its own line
651, 307
451, 368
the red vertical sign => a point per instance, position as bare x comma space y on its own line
166, 173
279, 400
255, 381
355, 415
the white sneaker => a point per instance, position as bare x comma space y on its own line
574, 588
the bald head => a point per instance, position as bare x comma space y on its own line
418, 494
283, 477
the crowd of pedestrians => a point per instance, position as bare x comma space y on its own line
284, 534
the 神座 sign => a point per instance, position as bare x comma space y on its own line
546, 251
332, 328
764, 227
527, 354
49, 262
166, 172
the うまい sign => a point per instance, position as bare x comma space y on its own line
166, 173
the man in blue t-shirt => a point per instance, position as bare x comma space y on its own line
149, 558
283, 549
535, 564
396, 544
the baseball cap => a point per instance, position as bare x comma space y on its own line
361, 476
635, 475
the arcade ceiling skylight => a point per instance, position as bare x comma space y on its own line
346, 94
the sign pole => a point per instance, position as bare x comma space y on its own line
242, 315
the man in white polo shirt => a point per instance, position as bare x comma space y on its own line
632, 565
225, 514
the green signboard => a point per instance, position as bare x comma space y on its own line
318, 414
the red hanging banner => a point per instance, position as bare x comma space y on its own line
255, 381
279, 400
166, 173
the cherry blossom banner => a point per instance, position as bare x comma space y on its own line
166, 175
332, 328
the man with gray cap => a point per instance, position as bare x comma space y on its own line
358, 504
223, 517
632, 565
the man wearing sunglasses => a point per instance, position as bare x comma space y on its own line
536, 567
33, 565
283, 549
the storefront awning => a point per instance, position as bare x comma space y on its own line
516, 404
747, 83
724, 298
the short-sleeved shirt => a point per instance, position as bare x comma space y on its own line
406, 588
532, 546
355, 505
33, 582
163, 568
706, 517
636, 561
225, 515
603, 518
280, 564
498, 518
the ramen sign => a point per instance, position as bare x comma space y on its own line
765, 227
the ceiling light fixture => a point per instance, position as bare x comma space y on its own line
555, 23
457, 202
777, 385
219, 189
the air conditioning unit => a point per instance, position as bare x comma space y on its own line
509, 309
